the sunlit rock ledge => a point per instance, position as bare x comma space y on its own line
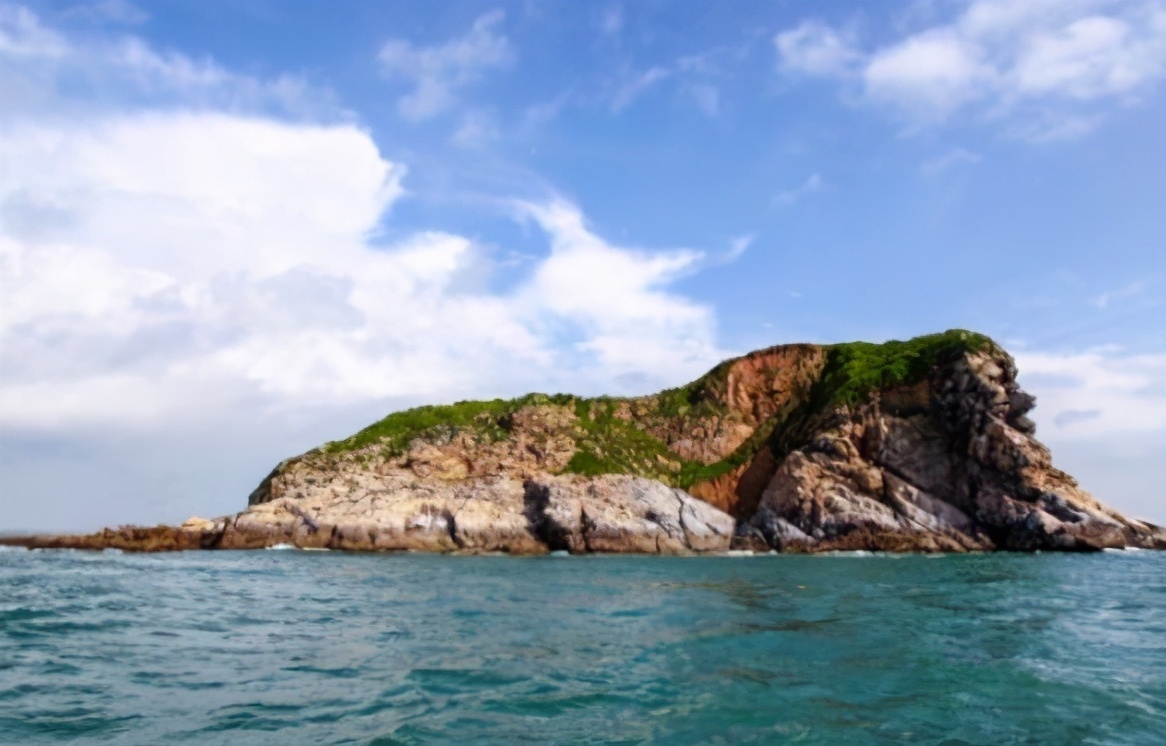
917, 446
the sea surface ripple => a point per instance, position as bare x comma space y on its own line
314, 647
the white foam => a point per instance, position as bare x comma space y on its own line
281, 546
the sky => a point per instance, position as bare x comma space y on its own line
231, 231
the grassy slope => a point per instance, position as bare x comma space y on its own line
608, 444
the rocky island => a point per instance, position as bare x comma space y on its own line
916, 446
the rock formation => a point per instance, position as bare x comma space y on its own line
922, 445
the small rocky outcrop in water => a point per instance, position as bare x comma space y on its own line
922, 445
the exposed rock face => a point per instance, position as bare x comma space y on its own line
944, 459
949, 464
752, 390
614, 513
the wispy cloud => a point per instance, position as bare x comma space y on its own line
1132, 290
611, 22
737, 247
695, 79
634, 85
439, 72
813, 183
114, 11
951, 159
478, 128
43, 73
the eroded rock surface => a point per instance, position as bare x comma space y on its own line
949, 464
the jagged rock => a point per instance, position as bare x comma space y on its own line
964, 470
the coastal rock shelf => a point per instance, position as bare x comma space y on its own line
920, 446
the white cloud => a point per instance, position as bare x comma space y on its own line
43, 74
1095, 395
164, 265
1045, 69
227, 257
929, 75
616, 296
813, 48
1102, 412
1092, 57
438, 72
813, 183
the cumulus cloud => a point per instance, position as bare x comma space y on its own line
438, 72
1043, 67
166, 265
158, 255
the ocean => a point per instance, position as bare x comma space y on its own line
290, 647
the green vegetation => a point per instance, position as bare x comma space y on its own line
613, 435
488, 419
610, 445
855, 369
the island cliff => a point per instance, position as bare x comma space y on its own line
922, 445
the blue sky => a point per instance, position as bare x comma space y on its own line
230, 231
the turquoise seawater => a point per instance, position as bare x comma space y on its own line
288, 647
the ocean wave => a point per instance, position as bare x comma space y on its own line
441, 650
